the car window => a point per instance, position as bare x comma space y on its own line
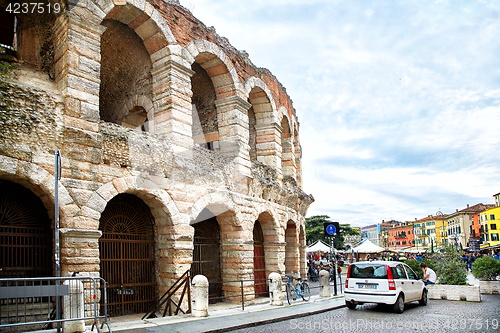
374, 271
401, 271
411, 273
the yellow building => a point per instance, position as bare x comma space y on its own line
490, 225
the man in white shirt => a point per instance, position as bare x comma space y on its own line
430, 276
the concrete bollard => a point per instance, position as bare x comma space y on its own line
324, 283
275, 289
73, 306
199, 307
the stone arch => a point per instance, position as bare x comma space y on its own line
261, 97
171, 237
141, 16
220, 202
41, 183
78, 46
217, 64
139, 109
291, 247
163, 208
263, 124
215, 89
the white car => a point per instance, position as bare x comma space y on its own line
383, 282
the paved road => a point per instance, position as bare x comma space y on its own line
437, 316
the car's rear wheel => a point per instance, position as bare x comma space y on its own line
399, 306
350, 305
423, 300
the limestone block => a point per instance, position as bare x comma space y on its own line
73, 307
454, 292
199, 296
489, 287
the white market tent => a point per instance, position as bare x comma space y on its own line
368, 247
319, 246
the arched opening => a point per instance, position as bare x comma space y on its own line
290, 248
26, 238
205, 127
28, 37
259, 264
206, 252
287, 157
127, 255
125, 74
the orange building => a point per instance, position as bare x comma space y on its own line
401, 237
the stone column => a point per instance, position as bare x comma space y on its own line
232, 117
292, 257
172, 99
77, 67
269, 145
80, 252
275, 256
237, 264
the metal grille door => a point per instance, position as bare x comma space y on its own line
259, 270
25, 233
206, 255
127, 255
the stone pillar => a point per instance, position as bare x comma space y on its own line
269, 145
199, 296
303, 261
77, 67
324, 283
232, 117
275, 257
292, 257
73, 307
276, 289
172, 99
80, 251
237, 264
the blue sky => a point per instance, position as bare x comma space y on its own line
398, 101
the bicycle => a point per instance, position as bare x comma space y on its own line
301, 289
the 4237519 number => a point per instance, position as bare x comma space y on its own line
33, 8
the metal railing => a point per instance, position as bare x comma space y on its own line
241, 285
53, 300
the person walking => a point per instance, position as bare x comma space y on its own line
430, 276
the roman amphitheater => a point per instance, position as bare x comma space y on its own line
177, 152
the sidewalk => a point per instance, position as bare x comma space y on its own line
223, 318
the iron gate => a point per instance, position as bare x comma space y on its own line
206, 254
25, 233
127, 255
259, 270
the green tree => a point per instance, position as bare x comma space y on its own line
315, 231
486, 268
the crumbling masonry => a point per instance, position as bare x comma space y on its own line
177, 152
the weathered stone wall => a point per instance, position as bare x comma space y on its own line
241, 182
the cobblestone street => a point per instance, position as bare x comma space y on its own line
437, 316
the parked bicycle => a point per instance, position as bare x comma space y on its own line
301, 289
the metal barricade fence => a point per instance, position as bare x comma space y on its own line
53, 300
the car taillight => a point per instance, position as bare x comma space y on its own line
392, 284
348, 275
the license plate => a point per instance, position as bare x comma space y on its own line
367, 286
